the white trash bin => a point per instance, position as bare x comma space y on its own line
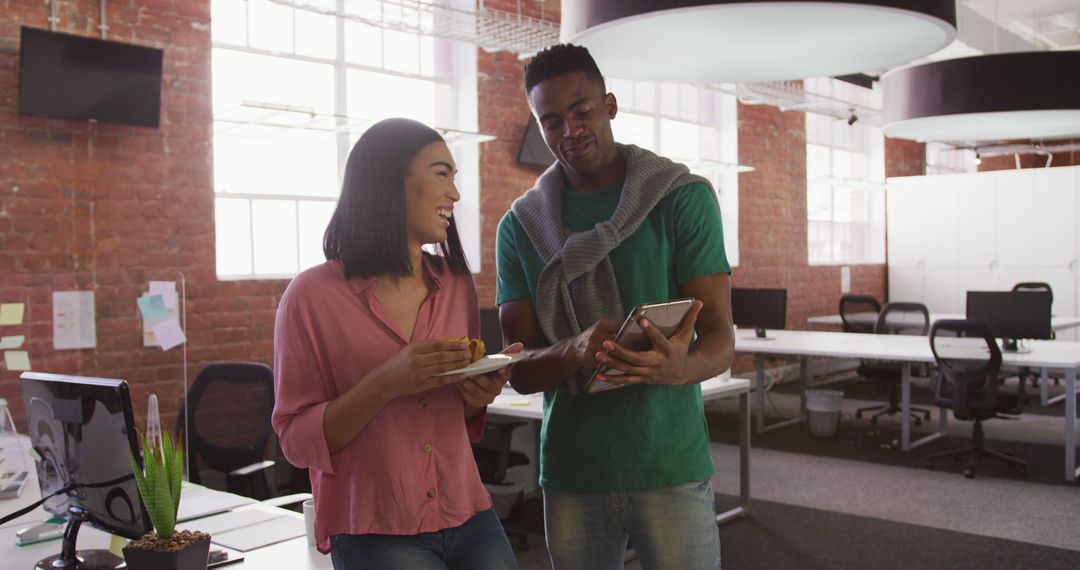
823, 411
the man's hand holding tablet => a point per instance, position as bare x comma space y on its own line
650, 348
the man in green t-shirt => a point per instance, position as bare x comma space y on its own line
608, 227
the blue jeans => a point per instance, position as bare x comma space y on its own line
479, 544
671, 527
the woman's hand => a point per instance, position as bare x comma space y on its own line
479, 391
413, 369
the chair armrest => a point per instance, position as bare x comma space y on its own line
253, 468
287, 500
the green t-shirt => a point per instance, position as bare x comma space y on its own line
638, 437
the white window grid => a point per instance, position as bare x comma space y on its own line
685, 106
943, 158
268, 121
848, 226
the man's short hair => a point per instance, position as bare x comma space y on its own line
558, 60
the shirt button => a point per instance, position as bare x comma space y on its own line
423, 402
431, 493
427, 448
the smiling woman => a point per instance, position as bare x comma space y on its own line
369, 397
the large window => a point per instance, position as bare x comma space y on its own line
947, 159
293, 90
845, 171
688, 124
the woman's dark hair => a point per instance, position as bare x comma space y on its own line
368, 230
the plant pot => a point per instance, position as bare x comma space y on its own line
192, 557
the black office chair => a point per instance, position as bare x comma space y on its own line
493, 458
859, 313
1039, 286
968, 362
894, 318
229, 424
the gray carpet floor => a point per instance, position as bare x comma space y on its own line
858, 501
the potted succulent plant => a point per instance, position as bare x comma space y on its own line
164, 548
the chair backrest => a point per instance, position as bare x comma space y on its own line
968, 361
491, 330
230, 404
859, 313
903, 318
1035, 286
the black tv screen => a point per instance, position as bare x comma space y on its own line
534, 150
758, 308
75, 77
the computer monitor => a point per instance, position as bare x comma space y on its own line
1011, 315
82, 430
759, 308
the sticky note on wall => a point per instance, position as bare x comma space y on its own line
11, 313
17, 360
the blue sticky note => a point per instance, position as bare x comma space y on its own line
152, 307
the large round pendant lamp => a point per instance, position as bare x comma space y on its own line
1004, 96
752, 41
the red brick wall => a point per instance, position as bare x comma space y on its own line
107, 208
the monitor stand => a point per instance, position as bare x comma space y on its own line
759, 333
1012, 345
69, 559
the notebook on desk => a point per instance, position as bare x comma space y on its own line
197, 501
248, 529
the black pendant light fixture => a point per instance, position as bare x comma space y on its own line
1006, 96
756, 40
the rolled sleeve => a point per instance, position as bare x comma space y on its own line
301, 393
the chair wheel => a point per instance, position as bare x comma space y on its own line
969, 473
873, 421
858, 415
918, 421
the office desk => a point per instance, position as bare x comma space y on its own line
531, 406
292, 554
1057, 323
1044, 355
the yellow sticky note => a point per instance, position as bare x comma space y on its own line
519, 403
11, 313
17, 360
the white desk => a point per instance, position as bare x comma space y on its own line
293, 554
1045, 355
1057, 323
531, 406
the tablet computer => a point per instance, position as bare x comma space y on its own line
665, 316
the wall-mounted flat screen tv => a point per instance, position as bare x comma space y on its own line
75, 77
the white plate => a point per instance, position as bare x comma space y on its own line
489, 363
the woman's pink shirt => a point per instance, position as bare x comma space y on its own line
411, 469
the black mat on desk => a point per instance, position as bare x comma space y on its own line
777, 535
857, 441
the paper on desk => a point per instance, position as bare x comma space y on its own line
196, 501
11, 313
247, 529
10, 342
169, 334
17, 360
